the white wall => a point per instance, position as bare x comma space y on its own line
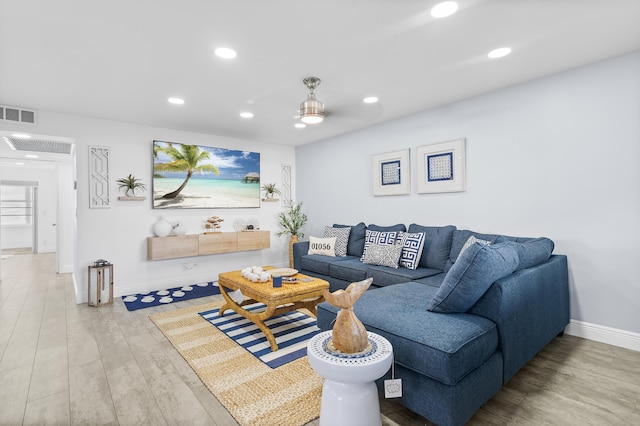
119, 234
558, 157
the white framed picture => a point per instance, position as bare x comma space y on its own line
391, 173
441, 167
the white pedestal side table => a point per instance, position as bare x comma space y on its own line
349, 393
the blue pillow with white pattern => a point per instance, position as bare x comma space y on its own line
412, 245
378, 237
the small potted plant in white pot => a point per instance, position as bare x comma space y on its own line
270, 191
131, 183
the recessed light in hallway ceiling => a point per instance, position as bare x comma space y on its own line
499, 52
444, 9
225, 53
21, 136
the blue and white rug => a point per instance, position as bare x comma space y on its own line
162, 297
292, 331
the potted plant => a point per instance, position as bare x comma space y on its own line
269, 191
292, 221
131, 184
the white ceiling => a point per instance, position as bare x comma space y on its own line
122, 59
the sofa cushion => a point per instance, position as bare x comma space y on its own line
393, 228
434, 280
387, 238
437, 245
383, 255
443, 347
351, 269
533, 252
323, 246
472, 275
320, 264
460, 238
342, 238
383, 276
355, 247
412, 246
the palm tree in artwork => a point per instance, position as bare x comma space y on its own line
186, 159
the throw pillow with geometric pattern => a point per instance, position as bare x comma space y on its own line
472, 239
342, 238
412, 246
383, 255
378, 237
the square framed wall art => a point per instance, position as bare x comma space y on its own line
391, 173
441, 167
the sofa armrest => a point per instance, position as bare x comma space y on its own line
299, 249
530, 307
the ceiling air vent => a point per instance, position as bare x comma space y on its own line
17, 115
39, 145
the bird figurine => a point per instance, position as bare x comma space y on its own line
349, 335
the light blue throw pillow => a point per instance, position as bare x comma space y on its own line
472, 274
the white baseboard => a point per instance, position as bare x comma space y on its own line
608, 335
119, 291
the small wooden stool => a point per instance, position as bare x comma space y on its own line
100, 282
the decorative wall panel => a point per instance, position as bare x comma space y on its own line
99, 177
286, 193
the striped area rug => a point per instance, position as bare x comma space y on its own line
292, 331
254, 393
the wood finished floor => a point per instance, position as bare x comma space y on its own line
63, 363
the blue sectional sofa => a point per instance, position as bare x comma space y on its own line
476, 308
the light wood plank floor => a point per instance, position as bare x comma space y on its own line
63, 363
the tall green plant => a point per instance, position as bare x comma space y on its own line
292, 221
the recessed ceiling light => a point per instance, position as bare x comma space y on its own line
299, 125
444, 9
31, 156
225, 53
246, 114
19, 164
370, 100
499, 52
176, 101
20, 136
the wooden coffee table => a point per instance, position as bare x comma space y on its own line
289, 297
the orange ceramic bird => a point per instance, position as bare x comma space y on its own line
349, 334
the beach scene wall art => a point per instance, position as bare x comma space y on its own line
203, 177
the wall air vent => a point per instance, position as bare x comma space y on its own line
39, 145
18, 115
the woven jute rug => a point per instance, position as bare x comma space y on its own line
252, 392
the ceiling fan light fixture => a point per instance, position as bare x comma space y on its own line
311, 110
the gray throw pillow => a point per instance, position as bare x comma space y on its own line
383, 255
